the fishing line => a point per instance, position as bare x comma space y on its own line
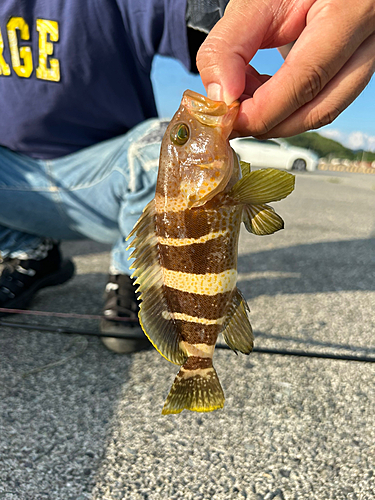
65, 315
75, 331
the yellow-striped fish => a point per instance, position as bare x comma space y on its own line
186, 244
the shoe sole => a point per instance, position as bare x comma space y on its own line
125, 346
133, 340
64, 274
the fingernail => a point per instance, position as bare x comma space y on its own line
215, 92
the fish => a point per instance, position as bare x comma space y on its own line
186, 245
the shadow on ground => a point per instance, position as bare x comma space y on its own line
67, 404
347, 265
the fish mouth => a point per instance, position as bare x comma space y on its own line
210, 112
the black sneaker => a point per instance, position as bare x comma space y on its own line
121, 302
22, 278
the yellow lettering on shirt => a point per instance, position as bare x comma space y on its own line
4, 67
17, 54
49, 68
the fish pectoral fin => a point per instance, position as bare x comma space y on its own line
262, 186
195, 390
237, 332
153, 315
261, 219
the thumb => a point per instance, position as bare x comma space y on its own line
223, 57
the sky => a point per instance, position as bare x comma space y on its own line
354, 128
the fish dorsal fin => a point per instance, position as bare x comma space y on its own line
153, 315
261, 219
237, 332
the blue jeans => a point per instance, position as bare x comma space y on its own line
96, 193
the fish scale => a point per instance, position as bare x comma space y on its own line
186, 245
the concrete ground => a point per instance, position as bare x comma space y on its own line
79, 422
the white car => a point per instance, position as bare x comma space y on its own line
274, 153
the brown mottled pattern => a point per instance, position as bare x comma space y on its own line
192, 223
196, 222
167, 182
195, 362
171, 157
187, 384
213, 256
200, 306
197, 333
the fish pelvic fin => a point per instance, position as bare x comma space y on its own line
261, 219
262, 186
196, 389
257, 188
237, 332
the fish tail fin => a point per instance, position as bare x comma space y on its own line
195, 389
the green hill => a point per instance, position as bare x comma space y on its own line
328, 148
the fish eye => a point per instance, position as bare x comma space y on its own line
180, 134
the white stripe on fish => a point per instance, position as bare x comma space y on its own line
179, 242
202, 284
193, 319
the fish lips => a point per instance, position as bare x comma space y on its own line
210, 112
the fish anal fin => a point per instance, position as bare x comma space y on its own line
158, 327
195, 390
237, 332
261, 219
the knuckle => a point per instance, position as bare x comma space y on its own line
203, 56
313, 82
329, 8
247, 126
260, 128
321, 117
210, 53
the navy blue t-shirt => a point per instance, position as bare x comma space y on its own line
77, 72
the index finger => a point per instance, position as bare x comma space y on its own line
223, 57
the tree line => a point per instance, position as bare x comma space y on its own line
328, 148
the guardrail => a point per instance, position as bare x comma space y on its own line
346, 168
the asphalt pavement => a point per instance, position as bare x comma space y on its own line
79, 422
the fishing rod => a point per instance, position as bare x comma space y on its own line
75, 331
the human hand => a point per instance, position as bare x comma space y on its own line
329, 65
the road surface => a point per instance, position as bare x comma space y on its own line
79, 422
